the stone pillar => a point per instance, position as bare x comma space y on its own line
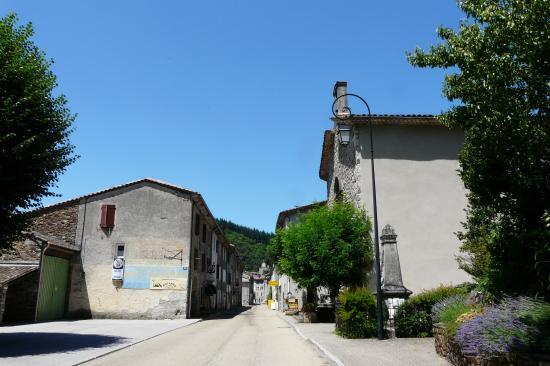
392, 282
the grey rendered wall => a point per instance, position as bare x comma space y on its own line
421, 195
154, 224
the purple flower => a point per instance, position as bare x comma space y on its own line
498, 330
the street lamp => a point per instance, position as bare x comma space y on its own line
344, 132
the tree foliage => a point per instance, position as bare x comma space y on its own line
258, 236
499, 85
329, 246
34, 128
251, 243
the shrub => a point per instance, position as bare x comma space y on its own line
308, 307
451, 311
515, 325
356, 315
413, 317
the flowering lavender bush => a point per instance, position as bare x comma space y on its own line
516, 324
450, 311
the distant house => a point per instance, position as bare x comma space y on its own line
419, 192
175, 261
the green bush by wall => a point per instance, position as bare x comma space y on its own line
356, 315
413, 317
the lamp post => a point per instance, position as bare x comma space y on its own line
344, 135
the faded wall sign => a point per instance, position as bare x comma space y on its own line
139, 276
167, 283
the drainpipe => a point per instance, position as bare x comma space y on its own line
42, 253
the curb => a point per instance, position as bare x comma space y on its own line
335, 360
133, 344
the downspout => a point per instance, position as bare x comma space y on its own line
40, 266
82, 236
189, 277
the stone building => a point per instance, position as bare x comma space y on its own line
247, 289
175, 260
260, 287
418, 189
289, 288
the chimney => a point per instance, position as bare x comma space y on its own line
340, 88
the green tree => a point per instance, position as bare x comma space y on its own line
251, 243
329, 246
499, 85
34, 128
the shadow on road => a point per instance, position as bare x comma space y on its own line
33, 343
228, 314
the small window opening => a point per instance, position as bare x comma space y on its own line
197, 224
204, 233
337, 190
120, 250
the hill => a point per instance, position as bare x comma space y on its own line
251, 243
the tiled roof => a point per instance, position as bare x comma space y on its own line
394, 119
144, 180
9, 272
295, 210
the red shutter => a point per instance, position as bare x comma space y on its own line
108, 216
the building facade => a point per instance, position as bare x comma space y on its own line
418, 189
142, 250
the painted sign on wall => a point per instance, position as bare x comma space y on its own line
158, 283
139, 276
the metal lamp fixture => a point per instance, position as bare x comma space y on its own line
343, 115
344, 133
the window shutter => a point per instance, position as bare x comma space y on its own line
108, 216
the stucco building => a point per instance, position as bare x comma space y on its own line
419, 192
175, 261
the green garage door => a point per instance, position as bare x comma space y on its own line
53, 285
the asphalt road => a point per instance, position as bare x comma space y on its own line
254, 337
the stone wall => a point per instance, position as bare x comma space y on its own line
20, 299
345, 170
3, 293
59, 221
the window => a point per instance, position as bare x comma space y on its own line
337, 190
196, 259
120, 250
108, 216
203, 262
217, 246
204, 233
218, 274
197, 224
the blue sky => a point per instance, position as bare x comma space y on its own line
228, 98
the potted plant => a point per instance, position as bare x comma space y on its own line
308, 312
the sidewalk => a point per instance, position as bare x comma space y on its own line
62, 343
372, 352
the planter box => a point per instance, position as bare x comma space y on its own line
310, 317
451, 350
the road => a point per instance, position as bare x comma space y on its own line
254, 337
